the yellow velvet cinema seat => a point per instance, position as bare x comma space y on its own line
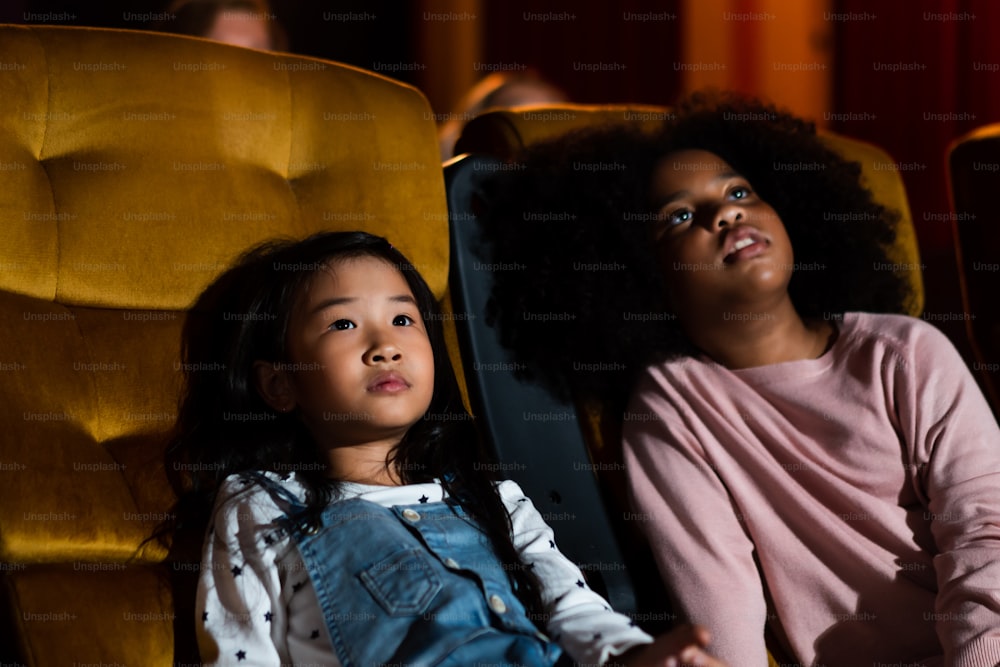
974, 176
133, 168
588, 438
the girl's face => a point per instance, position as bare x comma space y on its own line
721, 247
362, 367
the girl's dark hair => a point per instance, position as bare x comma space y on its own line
585, 305
224, 427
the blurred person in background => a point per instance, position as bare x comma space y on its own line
500, 89
248, 23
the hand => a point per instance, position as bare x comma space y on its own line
680, 647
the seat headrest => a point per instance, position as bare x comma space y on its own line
137, 165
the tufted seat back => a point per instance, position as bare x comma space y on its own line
133, 168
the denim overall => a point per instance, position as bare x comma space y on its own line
415, 585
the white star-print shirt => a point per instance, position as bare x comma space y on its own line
256, 605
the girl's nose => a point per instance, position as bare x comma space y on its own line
383, 351
727, 216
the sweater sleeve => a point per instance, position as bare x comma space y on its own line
580, 620
238, 603
956, 450
703, 552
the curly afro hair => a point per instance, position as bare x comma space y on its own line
584, 305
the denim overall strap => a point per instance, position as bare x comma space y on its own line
417, 585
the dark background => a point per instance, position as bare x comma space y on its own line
897, 100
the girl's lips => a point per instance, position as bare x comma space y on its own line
746, 252
389, 382
743, 243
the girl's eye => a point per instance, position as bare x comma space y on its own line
740, 192
340, 325
402, 321
679, 217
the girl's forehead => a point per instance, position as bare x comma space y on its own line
364, 268
375, 267
679, 172
356, 274
693, 160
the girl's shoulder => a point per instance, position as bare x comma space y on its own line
267, 495
903, 346
264, 489
883, 339
902, 335
250, 506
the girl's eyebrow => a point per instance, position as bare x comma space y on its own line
722, 176
340, 300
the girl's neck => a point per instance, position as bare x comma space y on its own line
750, 338
362, 464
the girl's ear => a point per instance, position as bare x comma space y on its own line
274, 384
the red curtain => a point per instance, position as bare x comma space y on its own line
597, 52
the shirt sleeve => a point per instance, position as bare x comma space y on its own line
238, 600
580, 620
956, 450
703, 552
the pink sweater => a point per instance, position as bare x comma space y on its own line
865, 484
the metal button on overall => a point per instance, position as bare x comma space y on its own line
497, 604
